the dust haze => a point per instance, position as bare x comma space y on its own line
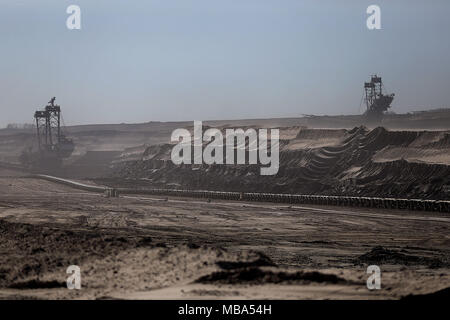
149, 244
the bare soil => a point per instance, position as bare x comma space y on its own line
157, 248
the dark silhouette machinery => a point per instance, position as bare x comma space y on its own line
52, 145
377, 103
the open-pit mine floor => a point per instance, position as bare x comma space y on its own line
150, 247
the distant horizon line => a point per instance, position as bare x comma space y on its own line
222, 120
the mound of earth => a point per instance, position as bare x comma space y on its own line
31, 251
356, 162
36, 257
380, 255
260, 276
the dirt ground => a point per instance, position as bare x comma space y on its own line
135, 247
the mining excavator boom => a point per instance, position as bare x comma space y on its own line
377, 102
52, 144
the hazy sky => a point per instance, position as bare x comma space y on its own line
139, 61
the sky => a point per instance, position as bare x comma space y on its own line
171, 60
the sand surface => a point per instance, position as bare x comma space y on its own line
157, 248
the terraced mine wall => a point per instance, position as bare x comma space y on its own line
384, 203
365, 163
